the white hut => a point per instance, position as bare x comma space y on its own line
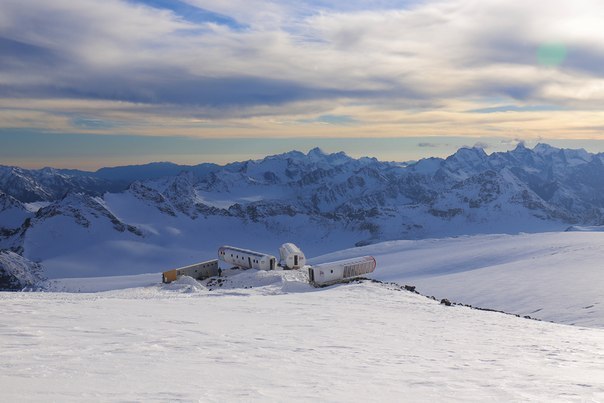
291, 256
343, 270
246, 259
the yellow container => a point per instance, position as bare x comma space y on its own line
169, 276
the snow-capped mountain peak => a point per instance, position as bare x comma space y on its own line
545, 149
322, 201
318, 155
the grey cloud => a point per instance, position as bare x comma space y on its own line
585, 59
169, 87
419, 56
17, 55
514, 141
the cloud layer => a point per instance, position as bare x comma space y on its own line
253, 67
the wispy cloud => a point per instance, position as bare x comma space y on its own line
515, 108
482, 144
252, 66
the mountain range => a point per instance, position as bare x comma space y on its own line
152, 217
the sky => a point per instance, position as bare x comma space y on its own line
92, 83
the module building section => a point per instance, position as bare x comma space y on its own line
342, 270
291, 256
198, 271
246, 259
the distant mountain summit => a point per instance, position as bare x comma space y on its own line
322, 201
48, 184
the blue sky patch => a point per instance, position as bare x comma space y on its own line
191, 13
337, 120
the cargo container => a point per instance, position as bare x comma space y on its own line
198, 271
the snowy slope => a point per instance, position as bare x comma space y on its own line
12, 212
358, 342
78, 226
551, 276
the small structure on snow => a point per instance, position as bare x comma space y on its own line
246, 259
342, 270
291, 256
198, 271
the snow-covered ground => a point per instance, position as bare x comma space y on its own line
284, 341
556, 276
269, 336
550, 276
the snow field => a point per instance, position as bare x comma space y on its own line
551, 276
269, 336
355, 342
556, 276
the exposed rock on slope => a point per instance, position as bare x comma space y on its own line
17, 273
83, 210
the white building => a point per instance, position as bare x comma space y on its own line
291, 256
246, 259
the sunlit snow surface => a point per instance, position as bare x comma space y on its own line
284, 341
269, 336
550, 276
